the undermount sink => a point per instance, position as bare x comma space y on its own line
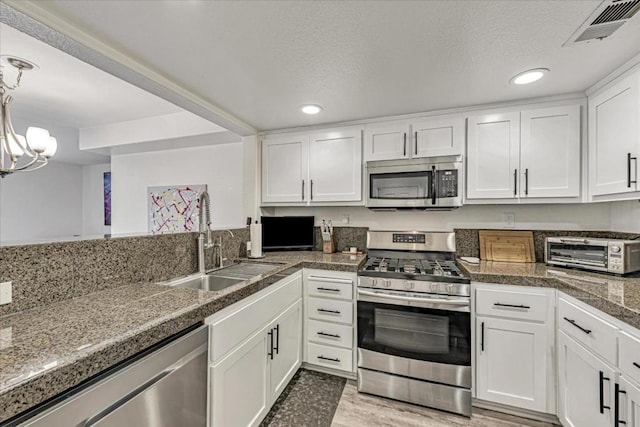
222, 278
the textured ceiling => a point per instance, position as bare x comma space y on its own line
260, 60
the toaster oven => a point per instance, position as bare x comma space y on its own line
606, 255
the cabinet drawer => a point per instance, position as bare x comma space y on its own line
330, 287
630, 356
330, 357
588, 329
234, 324
331, 310
330, 333
524, 305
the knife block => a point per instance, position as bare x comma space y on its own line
329, 246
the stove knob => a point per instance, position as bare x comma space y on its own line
410, 285
374, 282
386, 283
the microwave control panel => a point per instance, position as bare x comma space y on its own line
447, 183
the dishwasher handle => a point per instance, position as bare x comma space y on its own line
95, 419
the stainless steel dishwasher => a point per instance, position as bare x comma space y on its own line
165, 388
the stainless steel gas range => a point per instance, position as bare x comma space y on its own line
414, 322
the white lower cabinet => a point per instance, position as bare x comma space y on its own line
255, 348
515, 346
628, 404
512, 363
585, 386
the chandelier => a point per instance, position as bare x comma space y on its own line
20, 153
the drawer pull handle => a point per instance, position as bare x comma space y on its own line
602, 380
573, 322
330, 359
325, 334
328, 289
324, 310
637, 365
499, 304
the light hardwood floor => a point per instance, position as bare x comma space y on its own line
358, 409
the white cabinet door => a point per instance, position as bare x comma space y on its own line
614, 136
585, 387
386, 141
240, 384
512, 363
550, 152
287, 350
493, 153
335, 166
438, 137
285, 169
629, 404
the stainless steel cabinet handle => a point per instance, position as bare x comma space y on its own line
635, 181
303, 190
311, 190
415, 143
526, 182
404, 145
325, 334
573, 322
515, 182
324, 310
499, 304
331, 359
328, 289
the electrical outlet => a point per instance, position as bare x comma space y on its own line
345, 219
5, 293
509, 219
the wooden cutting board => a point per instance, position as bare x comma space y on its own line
509, 246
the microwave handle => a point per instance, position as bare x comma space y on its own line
434, 176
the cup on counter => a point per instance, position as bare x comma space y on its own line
353, 250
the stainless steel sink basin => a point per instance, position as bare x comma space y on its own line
206, 282
245, 270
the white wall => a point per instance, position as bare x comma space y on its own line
218, 166
560, 217
41, 205
625, 216
93, 200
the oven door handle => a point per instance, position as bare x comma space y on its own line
413, 299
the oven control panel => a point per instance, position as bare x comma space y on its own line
408, 238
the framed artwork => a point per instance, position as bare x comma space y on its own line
174, 209
106, 185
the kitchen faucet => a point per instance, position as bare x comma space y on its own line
219, 246
204, 229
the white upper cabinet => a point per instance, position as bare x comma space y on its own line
425, 137
335, 166
285, 166
438, 137
550, 152
527, 154
321, 167
614, 138
493, 156
387, 141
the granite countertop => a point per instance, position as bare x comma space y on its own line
617, 296
49, 349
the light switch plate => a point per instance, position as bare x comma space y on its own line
509, 219
5, 293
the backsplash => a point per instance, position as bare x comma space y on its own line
46, 273
467, 241
345, 237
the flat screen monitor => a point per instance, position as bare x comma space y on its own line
287, 233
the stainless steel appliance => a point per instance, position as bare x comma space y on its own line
428, 183
165, 387
607, 255
414, 322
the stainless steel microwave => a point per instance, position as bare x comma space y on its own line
428, 183
607, 255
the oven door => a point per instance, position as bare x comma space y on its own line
414, 331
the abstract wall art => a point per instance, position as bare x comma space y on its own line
106, 184
174, 209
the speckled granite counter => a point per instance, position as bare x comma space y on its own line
617, 296
49, 349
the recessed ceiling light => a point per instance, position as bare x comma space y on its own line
529, 76
311, 108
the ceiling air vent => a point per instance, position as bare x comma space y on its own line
605, 20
